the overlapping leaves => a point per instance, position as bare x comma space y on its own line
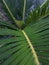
14, 46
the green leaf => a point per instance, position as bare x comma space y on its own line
16, 7
41, 12
14, 47
17, 10
29, 46
38, 34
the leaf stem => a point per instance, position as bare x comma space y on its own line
18, 23
32, 48
24, 8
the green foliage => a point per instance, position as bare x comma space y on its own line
23, 42
40, 12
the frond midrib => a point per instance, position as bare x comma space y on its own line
31, 47
18, 23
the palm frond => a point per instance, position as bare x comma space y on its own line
38, 34
41, 12
27, 46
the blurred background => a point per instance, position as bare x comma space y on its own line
35, 4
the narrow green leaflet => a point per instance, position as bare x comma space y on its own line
20, 47
17, 6
40, 12
27, 46
17, 10
38, 34
45, 8
15, 48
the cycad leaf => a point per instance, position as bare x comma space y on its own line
17, 47
40, 12
14, 47
17, 10
16, 7
29, 46
38, 33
